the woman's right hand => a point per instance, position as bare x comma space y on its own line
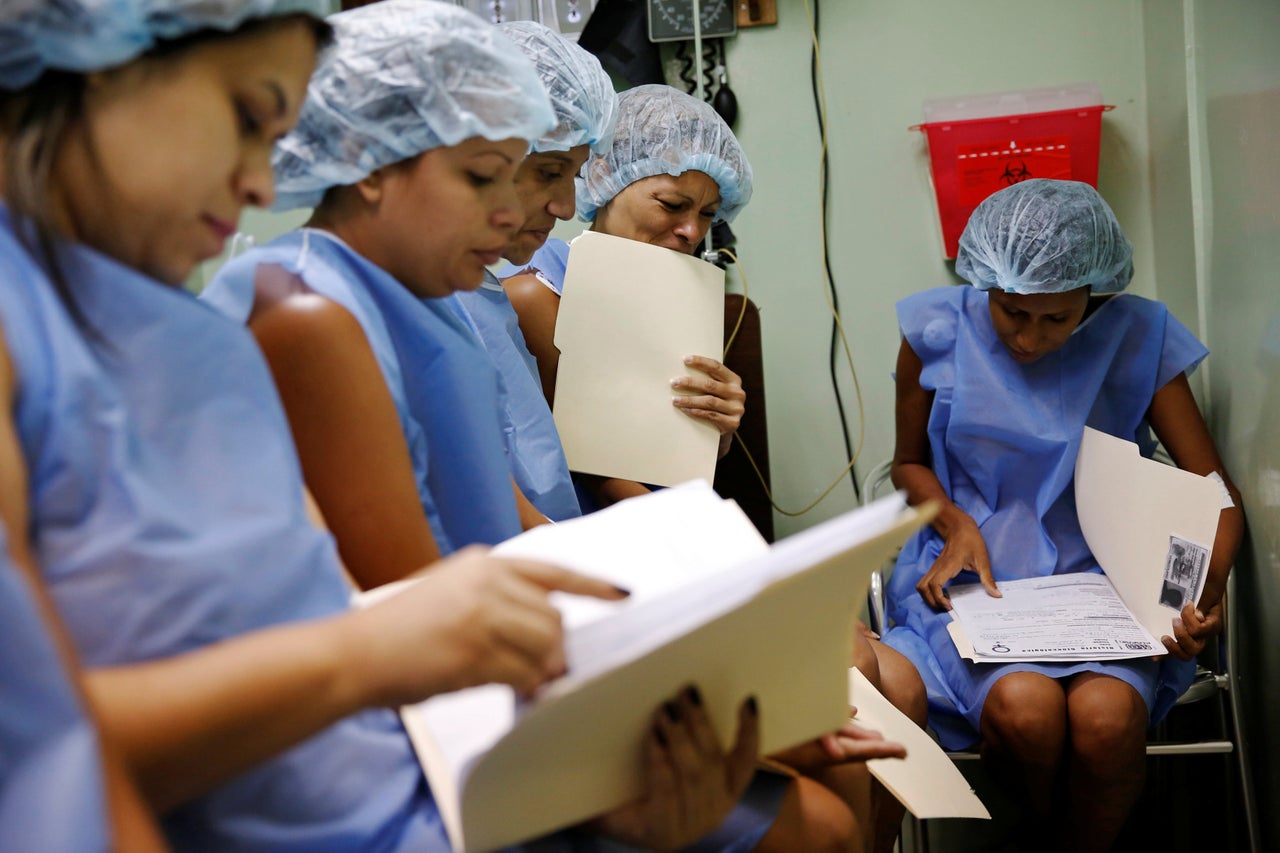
691, 785
964, 549
470, 619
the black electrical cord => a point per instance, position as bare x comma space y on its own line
685, 58
709, 81
826, 252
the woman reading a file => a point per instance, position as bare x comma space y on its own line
674, 168
995, 384
149, 480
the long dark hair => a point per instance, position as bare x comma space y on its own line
35, 123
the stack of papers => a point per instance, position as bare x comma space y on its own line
1060, 617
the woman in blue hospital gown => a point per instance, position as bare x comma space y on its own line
586, 110
149, 462
996, 383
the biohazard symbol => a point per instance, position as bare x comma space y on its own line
1015, 174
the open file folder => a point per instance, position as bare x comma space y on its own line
629, 314
927, 782
775, 625
1150, 526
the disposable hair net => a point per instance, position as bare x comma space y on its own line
581, 92
90, 35
404, 77
663, 131
1043, 236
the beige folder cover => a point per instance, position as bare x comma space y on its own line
927, 782
776, 627
629, 314
1129, 506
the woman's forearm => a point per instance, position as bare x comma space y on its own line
921, 485
187, 724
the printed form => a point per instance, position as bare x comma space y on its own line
1059, 617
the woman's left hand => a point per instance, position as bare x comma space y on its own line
1191, 629
717, 397
691, 784
851, 743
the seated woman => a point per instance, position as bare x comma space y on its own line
995, 384
673, 169
149, 466
392, 399
586, 111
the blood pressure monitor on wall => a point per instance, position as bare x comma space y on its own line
672, 20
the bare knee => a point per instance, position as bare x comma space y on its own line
1025, 717
1107, 719
863, 657
901, 683
812, 818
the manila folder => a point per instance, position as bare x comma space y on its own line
776, 626
1130, 509
629, 314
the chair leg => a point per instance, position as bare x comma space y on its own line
1237, 728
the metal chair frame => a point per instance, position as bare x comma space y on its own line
1217, 679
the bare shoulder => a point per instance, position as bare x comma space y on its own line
305, 326
527, 293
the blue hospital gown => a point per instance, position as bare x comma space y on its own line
1004, 439
445, 387
533, 444
167, 515
51, 784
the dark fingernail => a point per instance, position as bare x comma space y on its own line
673, 711
694, 696
621, 590
752, 706
657, 732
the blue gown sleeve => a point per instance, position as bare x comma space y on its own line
51, 795
1182, 351
928, 322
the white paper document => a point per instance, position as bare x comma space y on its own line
769, 622
1060, 617
1150, 526
927, 782
629, 314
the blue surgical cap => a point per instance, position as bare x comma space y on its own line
1043, 236
581, 92
404, 77
663, 131
91, 35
